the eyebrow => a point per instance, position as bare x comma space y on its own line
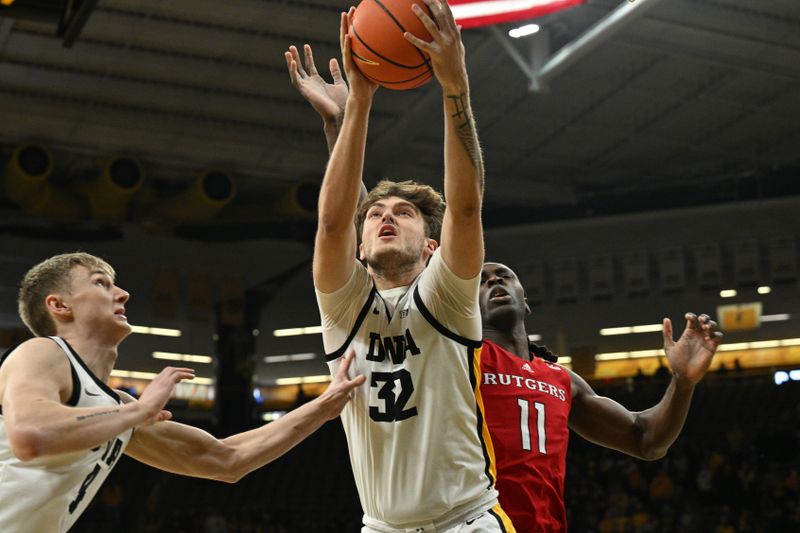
102, 273
401, 203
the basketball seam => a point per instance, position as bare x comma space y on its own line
387, 83
391, 16
395, 63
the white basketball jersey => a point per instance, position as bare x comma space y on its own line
48, 494
414, 428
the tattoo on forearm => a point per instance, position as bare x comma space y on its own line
101, 413
465, 126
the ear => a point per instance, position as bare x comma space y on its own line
428, 248
57, 307
361, 255
527, 306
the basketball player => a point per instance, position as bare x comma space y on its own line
531, 481
414, 429
531, 403
62, 429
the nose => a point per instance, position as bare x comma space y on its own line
493, 280
122, 295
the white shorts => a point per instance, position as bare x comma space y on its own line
490, 521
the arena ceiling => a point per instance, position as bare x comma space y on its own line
689, 102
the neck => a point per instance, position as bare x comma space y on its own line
98, 355
398, 277
514, 339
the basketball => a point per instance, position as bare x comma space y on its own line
379, 49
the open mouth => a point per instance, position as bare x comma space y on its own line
387, 231
121, 313
499, 295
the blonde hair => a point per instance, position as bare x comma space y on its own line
425, 198
53, 275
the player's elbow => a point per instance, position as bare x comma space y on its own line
652, 453
27, 443
229, 477
228, 466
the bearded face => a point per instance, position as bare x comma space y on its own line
393, 238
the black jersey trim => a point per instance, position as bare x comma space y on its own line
76, 382
359, 320
473, 381
438, 326
76, 386
499, 520
105, 388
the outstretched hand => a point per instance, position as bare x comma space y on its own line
446, 50
339, 392
156, 395
690, 357
327, 99
361, 88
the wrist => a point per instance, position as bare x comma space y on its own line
138, 411
357, 108
455, 87
323, 406
682, 384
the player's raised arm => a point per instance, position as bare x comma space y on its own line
649, 434
462, 234
341, 187
327, 99
190, 451
34, 381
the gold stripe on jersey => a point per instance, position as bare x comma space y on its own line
503, 518
486, 439
483, 427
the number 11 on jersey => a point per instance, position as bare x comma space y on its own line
524, 425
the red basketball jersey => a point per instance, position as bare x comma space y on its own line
526, 408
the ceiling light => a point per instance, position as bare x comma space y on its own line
781, 376
776, 318
135, 374
164, 332
169, 356
625, 330
611, 356
522, 31
302, 379
764, 344
290, 357
764, 289
647, 328
616, 331
290, 332
728, 293
534, 337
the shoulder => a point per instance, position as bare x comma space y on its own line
40, 362
39, 351
580, 388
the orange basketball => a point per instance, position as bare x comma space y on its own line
379, 49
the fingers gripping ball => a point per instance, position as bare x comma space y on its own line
379, 49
